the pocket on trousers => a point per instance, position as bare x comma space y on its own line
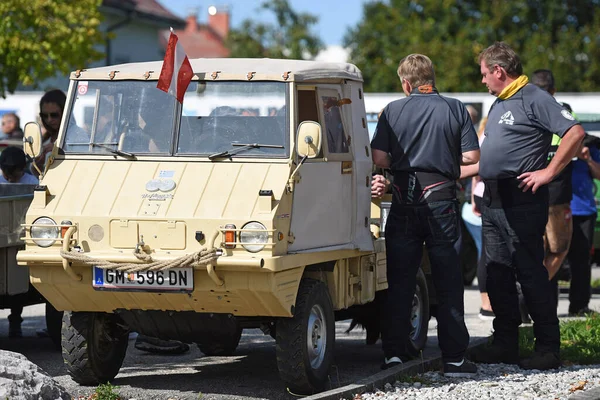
444, 228
396, 225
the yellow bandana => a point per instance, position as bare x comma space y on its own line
514, 87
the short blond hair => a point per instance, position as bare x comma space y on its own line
417, 69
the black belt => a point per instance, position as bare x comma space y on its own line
417, 187
501, 193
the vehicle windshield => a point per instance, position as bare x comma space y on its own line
220, 116
127, 117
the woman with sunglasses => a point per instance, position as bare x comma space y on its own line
52, 105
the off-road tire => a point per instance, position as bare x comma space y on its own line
419, 316
224, 342
93, 346
54, 324
313, 312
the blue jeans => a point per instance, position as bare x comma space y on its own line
408, 227
514, 250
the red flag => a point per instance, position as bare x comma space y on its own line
176, 72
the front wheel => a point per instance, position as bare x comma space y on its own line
305, 342
419, 315
93, 346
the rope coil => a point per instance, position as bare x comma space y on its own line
202, 257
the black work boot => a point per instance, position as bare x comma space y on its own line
14, 326
494, 354
541, 360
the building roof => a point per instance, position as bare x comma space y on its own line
204, 42
148, 9
233, 69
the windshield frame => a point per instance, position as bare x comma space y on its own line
175, 131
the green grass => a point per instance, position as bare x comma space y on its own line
105, 392
580, 341
596, 283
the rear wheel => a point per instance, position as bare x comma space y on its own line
419, 316
93, 346
305, 342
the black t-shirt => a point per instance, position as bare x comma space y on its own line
425, 132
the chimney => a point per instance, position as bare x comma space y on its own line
191, 22
218, 20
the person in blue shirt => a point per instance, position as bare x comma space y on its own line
583, 206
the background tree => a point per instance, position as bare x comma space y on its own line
561, 35
289, 38
41, 38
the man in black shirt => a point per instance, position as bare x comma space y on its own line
423, 139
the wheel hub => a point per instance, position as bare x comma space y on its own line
316, 336
415, 316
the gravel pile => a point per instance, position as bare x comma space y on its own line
495, 381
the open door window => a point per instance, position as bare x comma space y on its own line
336, 143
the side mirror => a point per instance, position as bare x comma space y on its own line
308, 139
32, 140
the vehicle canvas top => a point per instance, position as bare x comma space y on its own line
232, 69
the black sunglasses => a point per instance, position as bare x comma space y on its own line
48, 115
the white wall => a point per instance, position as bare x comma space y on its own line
582, 103
134, 42
25, 104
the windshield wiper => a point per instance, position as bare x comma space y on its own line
242, 147
117, 152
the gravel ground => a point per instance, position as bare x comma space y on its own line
496, 381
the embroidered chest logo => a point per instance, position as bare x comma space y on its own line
507, 118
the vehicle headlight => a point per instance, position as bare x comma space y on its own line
385, 211
44, 232
254, 236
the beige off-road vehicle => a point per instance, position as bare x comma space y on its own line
247, 206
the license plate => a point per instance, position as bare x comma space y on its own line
171, 280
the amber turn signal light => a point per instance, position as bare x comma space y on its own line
230, 236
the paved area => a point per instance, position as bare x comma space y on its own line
147, 376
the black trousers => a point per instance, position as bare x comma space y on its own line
15, 315
514, 250
407, 228
579, 260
